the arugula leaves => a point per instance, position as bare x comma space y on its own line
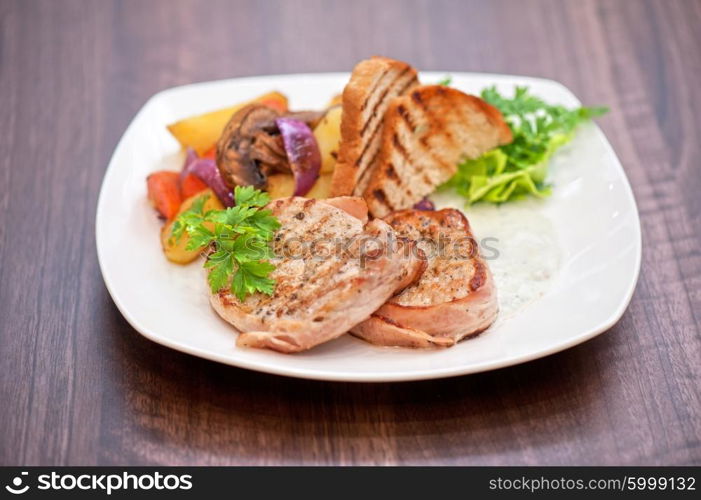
518, 169
240, 236
447, 80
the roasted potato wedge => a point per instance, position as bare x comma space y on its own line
328, 136
283, 185
175, 251
202, 132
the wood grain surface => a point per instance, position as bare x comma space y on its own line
79, 386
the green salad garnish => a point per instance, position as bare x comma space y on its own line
519, 169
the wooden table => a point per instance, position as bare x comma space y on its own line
79, 386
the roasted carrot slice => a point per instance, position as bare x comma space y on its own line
164, 192
191, 185
278, 103
210, 153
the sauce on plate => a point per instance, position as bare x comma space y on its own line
519, 244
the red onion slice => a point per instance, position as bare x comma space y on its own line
302, 153
424, 204
206, 169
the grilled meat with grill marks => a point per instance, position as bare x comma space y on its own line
454, 298
333, 270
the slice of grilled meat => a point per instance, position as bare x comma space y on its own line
454, 298
426, 133
333, 269
373, 84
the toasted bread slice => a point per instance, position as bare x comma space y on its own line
426, 134
454, 298
333, 268
373, 84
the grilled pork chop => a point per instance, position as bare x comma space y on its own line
333, 269
454, 298
373, 84
426, 134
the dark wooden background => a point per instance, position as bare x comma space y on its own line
79, 386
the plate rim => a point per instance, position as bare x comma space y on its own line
365, 377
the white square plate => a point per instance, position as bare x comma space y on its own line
565, 267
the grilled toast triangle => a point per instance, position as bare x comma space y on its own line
426, 133
372, 86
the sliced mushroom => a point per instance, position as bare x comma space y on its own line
234, 160
250, 146
269, 152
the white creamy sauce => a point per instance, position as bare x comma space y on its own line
519, 244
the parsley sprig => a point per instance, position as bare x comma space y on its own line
240, 240
519, 168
